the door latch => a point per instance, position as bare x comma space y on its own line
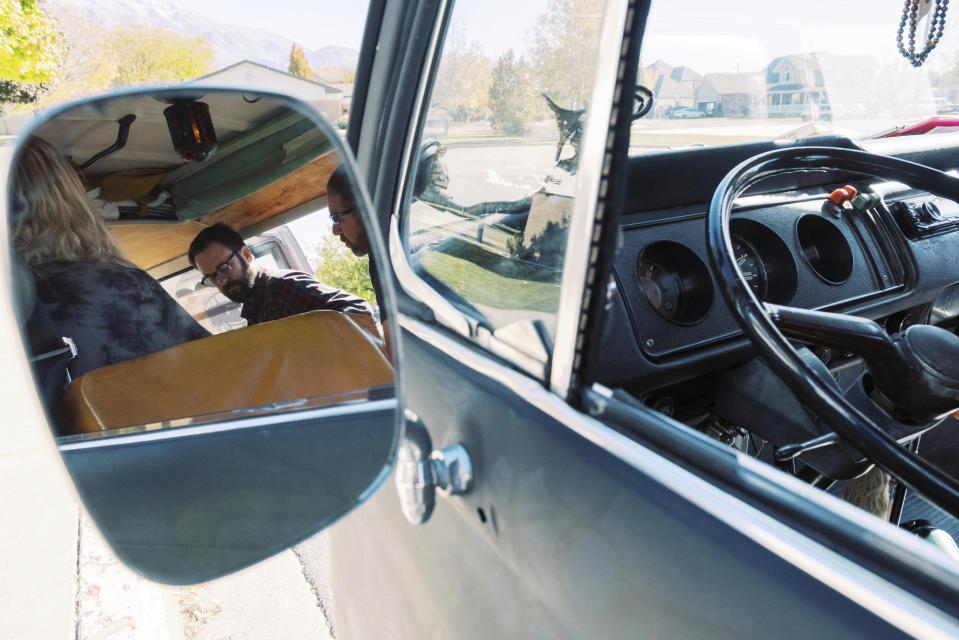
421, 471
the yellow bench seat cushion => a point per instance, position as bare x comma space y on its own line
311, 355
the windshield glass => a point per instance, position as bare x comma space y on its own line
746, 71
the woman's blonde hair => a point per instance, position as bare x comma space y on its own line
58, 221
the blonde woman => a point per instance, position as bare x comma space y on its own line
85, 287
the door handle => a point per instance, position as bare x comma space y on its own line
421, 471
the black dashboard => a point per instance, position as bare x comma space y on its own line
888, 255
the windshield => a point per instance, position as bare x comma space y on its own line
747, 71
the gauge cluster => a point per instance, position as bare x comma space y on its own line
788, 251
675, 282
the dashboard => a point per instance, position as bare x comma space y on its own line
888, 255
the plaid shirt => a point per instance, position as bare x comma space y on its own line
278, 294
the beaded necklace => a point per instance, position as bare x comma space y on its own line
937, 22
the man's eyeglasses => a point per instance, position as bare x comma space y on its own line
222, 270
336, 216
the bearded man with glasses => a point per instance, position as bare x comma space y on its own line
219, 253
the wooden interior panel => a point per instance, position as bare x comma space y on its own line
148, 244
304, 184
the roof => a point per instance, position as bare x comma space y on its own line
661, 67
796, 60
667, 88
729, 83
345, 87
250, 63
685, 74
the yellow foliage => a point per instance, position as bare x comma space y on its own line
299, 65
98, 58
147, 54
29, 42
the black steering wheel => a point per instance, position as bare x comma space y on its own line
917, 370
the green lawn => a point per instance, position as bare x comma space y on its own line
492, 280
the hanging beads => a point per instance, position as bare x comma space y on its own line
910, 16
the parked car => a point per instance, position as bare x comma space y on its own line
631, 389
682, 113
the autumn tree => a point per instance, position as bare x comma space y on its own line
89, 63
563, 48
30, 49
463, 79
18, 92
299, 65
146, 54
338, 267
335, 75
510, 95
97, 57
29, 42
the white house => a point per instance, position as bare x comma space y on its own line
327, 99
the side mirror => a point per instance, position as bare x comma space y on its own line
197, 454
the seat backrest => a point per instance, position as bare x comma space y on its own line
313, 355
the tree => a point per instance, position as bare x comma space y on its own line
88, 64
564, 43
510, 95
19, 92
146, 54
338, 267
299, 65
29, 42
30, 49
463, 79
335, 75
96, 57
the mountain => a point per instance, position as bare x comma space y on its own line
230, 43
333, 57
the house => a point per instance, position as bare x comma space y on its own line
660, 68
732, 95
668, 94
327, 99
650, 75
346, 101
686, 77
821, 86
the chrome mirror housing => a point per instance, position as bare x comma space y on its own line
198, 447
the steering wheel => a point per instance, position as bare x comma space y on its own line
917, 370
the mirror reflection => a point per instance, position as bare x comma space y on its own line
170, 251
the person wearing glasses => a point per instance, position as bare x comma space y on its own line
219, 253
348, 227
347, 224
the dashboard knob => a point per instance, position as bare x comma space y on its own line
930, 212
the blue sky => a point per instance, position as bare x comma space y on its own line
724, 36
318, 23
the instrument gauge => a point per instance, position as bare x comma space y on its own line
674, 281
750, 266
662, 287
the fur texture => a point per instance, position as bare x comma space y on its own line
870, 491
